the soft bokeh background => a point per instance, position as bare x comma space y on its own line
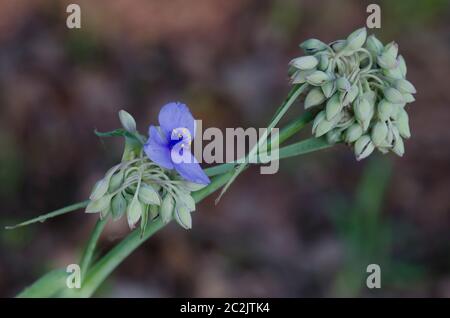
309, 230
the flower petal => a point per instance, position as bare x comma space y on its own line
176, 115
157, 149
190, 169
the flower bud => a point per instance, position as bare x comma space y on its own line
402, 124
99, 205
391, 49
148, 195
118, 206
402, 65
323, 127
313, 46
405, 86
167, 207
363, 147
116, 181
399, 147
315, 97
317, 78
388, 142
338, 45
100, 188
379, 133
329, 88
393, 73
299, 77
343, 84
353, 133
127, 121
334, 136
393, 95
385, 110
183, 217
370, 96
305, 62
333, 106
408, 98
362, 109
324, 62
386, 61
356, 39
317, 120
349, 96
134, 212
374, 45
153, 211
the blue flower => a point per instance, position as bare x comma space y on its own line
169, 145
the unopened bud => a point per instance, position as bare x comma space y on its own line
127, 121
333, 106
317, 78
356, 39
363, 147
393, 95
353, 133
379, 133
386, 61
405, 86
329, 88
402, 124
313, 46
315, 97
374, 45
385, 110
134, 212
305, 62
391, 49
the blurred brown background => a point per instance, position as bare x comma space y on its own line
309, 230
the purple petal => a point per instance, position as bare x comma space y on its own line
157, 149
190, 170
176, 115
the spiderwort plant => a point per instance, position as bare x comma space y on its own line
355, 93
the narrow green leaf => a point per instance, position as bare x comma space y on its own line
219, 169
303, 147
120, 132
44, 217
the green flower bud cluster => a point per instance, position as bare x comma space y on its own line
359, 88
142, 190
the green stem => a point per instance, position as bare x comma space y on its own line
89, 250
285, 133
293, 95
